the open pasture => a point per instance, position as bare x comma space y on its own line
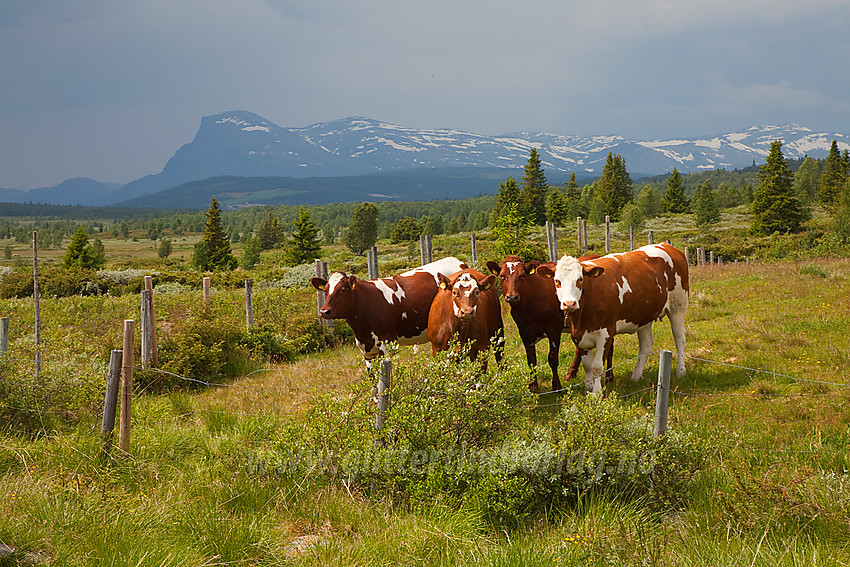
766, 393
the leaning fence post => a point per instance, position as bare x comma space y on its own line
665, 362
4, 335
383, 395
474, 251
249, 305
126, 385
111, 400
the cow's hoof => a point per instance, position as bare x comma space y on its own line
533, 387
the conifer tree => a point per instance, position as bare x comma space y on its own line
572, 190
534, 190
615, 186
213, 251
775, 208
363, 231
81, 254
507, 196
269, 234
304, 245
674, 200
558, 210
706, 209
833, 177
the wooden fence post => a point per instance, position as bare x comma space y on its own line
665, 362
383, 394
652, 237
152, 314
584, 234
36, 298
249, 305
146, 329
474, 251
322, 272
578, 233
372, 262
607, 234
206, 288
4, 335
110, 401
631, 238
687, 255
429, 250
711, 257
422, 261
126, 385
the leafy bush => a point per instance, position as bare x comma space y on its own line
455, 434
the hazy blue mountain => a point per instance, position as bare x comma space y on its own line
240, 144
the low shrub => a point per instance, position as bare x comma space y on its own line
462, 436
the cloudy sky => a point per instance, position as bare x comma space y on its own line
109, 89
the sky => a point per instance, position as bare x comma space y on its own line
110, 89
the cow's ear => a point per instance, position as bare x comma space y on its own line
532, 266
545, 271
352, 280
319, 283
443, 281
593, 271
494, 267
487, 283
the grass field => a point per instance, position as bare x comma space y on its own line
767, 390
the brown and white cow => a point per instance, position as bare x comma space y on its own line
623, 293
385, 309
467, 307
537, 313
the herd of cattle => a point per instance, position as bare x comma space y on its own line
594, 297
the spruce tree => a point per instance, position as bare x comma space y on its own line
81, 254
269, 234
506, 197
833, 177
304, 245
534, 190
674, 200
775, 208
213, 251
706, 210
615, 186
363, 231
558, 210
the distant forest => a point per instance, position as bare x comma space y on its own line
55, 222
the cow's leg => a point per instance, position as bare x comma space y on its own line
554, 351
645, 341
677, 324
592, 362
609, 360
531, 357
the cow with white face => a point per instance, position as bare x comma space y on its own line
385, 309
622, 293
467, 307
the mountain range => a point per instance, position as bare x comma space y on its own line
244, 159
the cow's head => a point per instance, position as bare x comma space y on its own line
569, 278
339, 295
465, 290
512, 272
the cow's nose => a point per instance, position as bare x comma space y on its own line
326, 313
569, 306
512, 298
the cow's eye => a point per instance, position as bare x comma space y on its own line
557, 283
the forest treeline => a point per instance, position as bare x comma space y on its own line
635, 202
